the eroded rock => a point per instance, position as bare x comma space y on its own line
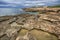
27, 36
46, 22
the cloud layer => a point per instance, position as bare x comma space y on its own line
27, 3
11, 7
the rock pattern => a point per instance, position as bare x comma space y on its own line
44, 9
11, 26
28, 36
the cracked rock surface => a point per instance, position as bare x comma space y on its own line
32, 25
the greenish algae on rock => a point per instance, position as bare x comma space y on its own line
38, 34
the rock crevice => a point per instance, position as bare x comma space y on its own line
46, 22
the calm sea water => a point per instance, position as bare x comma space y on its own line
10, 11
13, 11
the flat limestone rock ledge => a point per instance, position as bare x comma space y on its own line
30, 27
38, 34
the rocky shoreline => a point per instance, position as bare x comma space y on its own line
10, 26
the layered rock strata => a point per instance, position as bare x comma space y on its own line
11, 26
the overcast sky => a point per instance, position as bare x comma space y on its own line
11, 7
27, 3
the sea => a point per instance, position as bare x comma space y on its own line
13, 11
10, 11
